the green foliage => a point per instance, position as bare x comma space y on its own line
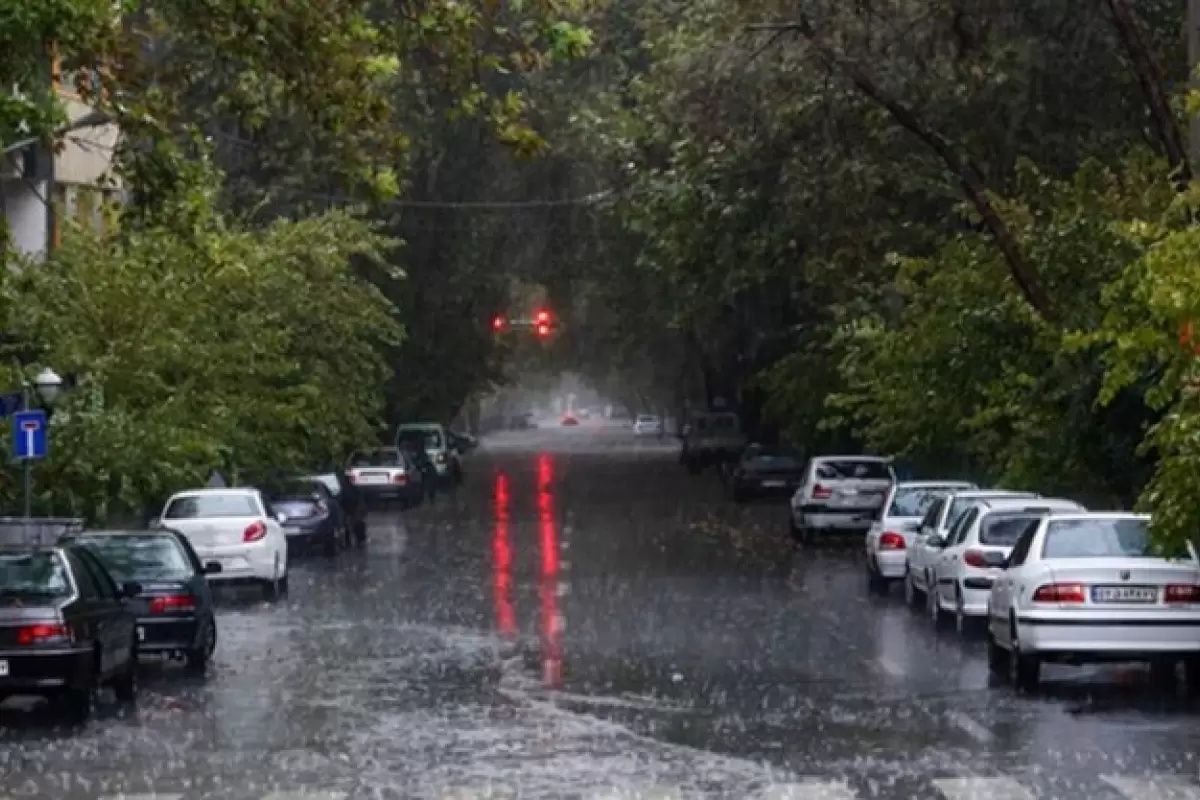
227, 347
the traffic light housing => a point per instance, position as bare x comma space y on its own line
542, 323
543, 329
499, 323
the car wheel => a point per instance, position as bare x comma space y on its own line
124, 685
196, 659
911, 598
876, 584
936, 614
79, 701
1024, 669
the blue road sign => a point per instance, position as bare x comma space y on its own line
29, 435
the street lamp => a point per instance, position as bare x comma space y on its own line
48, 384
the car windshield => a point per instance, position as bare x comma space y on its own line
914, 501
212, 505
854, 468
430, 439
962, 503
387, 457
330, 481
1097, 538
40, 574
140, 557
1003, 530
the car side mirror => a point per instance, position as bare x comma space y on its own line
212, 567
131, 589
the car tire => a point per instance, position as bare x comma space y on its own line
360, 532
1024, 669
196, 660
961, 620
125, 684
936, 614
912, 597
78, 703
1163, 674
876, 583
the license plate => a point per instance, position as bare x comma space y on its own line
369, 478
141, 633
1124, 594
291, 530
3, 668
774, 484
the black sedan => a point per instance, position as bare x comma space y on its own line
309, 513
174, 604
765, 470
66, 627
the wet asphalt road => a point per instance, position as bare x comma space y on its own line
584, 619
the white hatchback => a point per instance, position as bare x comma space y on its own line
233, 528
1082, 588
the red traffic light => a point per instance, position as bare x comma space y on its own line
498, 323
543, 318
543, 329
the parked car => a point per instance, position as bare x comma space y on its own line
66, 627
432, 437
352, 506
647, 425
385, 474
765, 470
174, 609
311, 515
234, 528
420, 459
711, 438
890, 537
976, 549
840, 495
924, 551
569, 420
1082, 588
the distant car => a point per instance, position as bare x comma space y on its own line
569, 420
840, 495
647, 425
386, 474
976, 550
890, 537
66, 628
765, 470
433, 437
234, 528
312, 516
420, 459
175, 612
1086, 588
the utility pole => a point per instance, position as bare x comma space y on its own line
1193, 40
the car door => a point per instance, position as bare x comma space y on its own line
1002, 589
919, 554
956, 543
113, 625
198, 583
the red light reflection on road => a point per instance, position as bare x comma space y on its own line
502, 552
551, 631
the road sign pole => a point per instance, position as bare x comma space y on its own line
27, 464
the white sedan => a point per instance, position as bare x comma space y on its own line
647, 425
1082, 588
976, 550
233, 528
890, 536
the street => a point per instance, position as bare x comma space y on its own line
586, 619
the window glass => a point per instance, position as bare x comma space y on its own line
854, 468
1097, 538
212, 505
36, 574
140, 558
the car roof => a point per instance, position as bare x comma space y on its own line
124, 532
17, 547
996, 494
1080, 515
948, 484
879, 459
1031, 503
230, 490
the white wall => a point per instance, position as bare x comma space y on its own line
87, 153
27, 216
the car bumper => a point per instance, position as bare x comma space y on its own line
253, 562
892, 564
1110, 636
45, 671
157, 635
837, 522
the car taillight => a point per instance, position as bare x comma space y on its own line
254, 531
43, 634
165, 604
822, 492
1182, 593
974, 558
400, 478
891, 541
1059, 593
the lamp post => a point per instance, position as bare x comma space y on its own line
48, 384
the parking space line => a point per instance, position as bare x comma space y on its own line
1154, 787
811, 790
999, 788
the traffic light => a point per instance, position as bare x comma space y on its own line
542, 323
498, 323
543, 329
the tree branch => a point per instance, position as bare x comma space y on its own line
968, 174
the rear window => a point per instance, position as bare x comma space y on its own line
647, 418
914, 501
138, 558
33, 575
1097, 538
429, 439
961, 504
858, 469
1003, 530
378, 458
212, 505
